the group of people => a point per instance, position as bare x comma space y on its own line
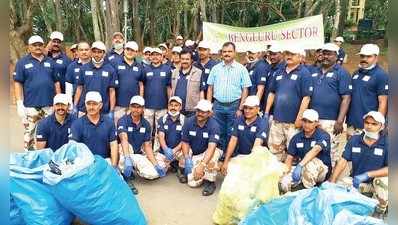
178, 109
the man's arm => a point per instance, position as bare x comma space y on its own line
344, 105
162, 141
124, 143
78, 93
169, 92
149, 152
270, 101
289, 162
112, 98
141, 87
114, 153
233, 141
210, 92
243, 96
311, 154
382, 104
383, 172
258, 142
303, 106
338, 169
41, 144
260, 91
57, 86
18, 90
185, 148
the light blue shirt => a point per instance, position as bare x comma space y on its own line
228, 81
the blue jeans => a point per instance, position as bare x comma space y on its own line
225, 116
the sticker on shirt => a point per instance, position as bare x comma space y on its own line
217, 137
386, 87
241, 127
366, 78
356, 149
39, 136
205, 135
135, 68
88, 73
314, 75
313, 143
293, 77
166, 127
149, 74
47, 64
300, 145
121, 67
263, 79
105, 73
162, 74
251, 72
120, 127
330, 74
350, 87
179, 127
111, 57
207, 71
279, 77
263, 134
325, 143
68, 130
29, 65
378, 151
253, 129
192, 133
311, 88
59, 61
142, 130
130, 129
77, 70
355, 76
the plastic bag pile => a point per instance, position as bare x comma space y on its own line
52, 188
251, 180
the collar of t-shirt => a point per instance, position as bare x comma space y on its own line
66, 120
197, 124
187, 73
101, 119
314, 135
133, 64
368, 71
380, 141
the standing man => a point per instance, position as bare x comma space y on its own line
368, 153
290, 93
146, 57
61, 60
97, 76
130, 77
96, 131
73, 70
258, 70
54, 130
186, 84
369, 89
205, 63
341, 54
175, 57
115, 55
36, 83
249, 130
313, 68
165, 51
228, 85
200, 135
331, 98
73, 49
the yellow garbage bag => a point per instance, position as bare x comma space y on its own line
251, 180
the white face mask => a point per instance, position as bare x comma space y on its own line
99, 62
367, 68
371, 134
173, 114
118, 46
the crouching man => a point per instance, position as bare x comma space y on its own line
311, 148
200, 135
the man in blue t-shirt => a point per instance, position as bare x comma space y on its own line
258, 70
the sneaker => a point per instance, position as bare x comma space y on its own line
181, 176
208, 188
174, 166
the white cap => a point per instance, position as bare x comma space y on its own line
147, 49
57, 35
177, 49
179, 37
157, 50
163, 45
295, 49
74, 46
93, 96
117, 33
339, 39
204, 44
331, 47
369, 49
204, 105
61, 98
376, 116
252, 101
189, 42
99, 45
275, 48
176, 98
137, 100
132, 45
35, 39
310, 115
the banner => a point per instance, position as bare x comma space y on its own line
306, 32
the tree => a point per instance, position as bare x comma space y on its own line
95, 16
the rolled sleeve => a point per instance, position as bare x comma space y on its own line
345, 87
382, 85
148, 133
19, 74
324, 143
347, 154
262, 130
292, 149
112, 133
121, 126
41, 132
306, 85
76, 131
234, 129
214, 134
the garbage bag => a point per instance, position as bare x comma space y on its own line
345, 217
33, 197
251, 180
90, 188
15, 214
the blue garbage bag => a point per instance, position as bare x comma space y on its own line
345, 217
92, 189
30, 194
15, 214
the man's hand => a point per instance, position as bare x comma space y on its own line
199, 172
224, 168
361, 178
128, 166
296, 175
338, 128
21, 110
298, 123
161, 171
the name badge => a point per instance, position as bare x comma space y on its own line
135, 68
300, 145
314, 75
207, 71
355, 76
149, 74
217, 137
366, 78
142, 130
105, 73
47, 64
89, 73
192, 133
356, 149
386, 87
350, 87
29, 65
241, 127
312, 143
263, 134
179, 127
130, 129
59, 61
251, 72
121, 67
324, 143
205, 135
116, 82
311, 88
263, 79
77, 70
253, 129
378, 151
329, 75
120, 127
166, 127
68, 130
111, 57
293, 77
39, 136
279, 77
162, 74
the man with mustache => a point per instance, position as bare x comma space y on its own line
368, 153
175, 57
290, 94
186, 84
36, 83
115, 55
53, 131
60, 58
369, 89
146, 57
331, 97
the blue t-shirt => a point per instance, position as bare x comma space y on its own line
270, 75
247, 133
258, 72
367, 85
52, 132
171, 129
290, 89
113, 58
97, 137
205, 72
73, 73
61, 62
156, 80
198, 137
328, 91
137, 134
129, 78
365, 158
37, 79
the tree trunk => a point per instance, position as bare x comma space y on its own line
94, 15
343, 16
59, 23
136, 22
185, 22
45, 18
263, 14
202, 5
299, 8
214, 13
308, 6
336, 19
152, 21
222, 14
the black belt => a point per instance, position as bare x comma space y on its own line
227, 103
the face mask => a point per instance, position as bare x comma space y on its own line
99, 62
146, 61
372, 135
367, 68
173, 114
118, 46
